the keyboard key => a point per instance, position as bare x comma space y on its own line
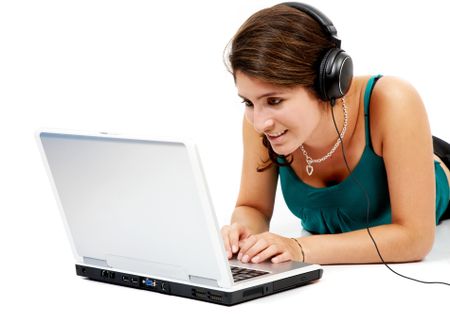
240, 273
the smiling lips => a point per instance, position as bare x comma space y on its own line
275, 135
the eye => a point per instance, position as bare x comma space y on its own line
274, 101
247, 103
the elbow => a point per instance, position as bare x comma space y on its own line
419, 254
420, 245
413, 239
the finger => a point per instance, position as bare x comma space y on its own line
246, 244
227, 247
234, 239
265, 254
250, 241
226, 241
285, 256
255, 249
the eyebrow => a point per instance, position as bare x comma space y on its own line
262, 96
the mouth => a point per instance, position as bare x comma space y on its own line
275, 135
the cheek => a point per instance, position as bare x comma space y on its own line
307, 119
249, 115
315, 118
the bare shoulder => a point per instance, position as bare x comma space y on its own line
394, 99
396, 111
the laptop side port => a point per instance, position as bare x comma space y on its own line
148, 282
197, 293
130, 280
215, 296
107, 274
208, 295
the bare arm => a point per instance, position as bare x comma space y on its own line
395, 242
255, 202
252, 218
401, 124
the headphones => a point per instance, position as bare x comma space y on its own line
336, 66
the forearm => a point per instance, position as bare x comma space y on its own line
395, 242
251, 218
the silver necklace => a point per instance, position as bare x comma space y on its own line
310, 161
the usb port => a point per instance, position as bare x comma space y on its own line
126, 279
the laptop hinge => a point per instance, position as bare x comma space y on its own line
95, 262
203, 280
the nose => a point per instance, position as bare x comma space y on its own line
262, 120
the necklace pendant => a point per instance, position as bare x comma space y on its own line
309, 169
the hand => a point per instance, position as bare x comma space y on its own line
232, 235
258, 248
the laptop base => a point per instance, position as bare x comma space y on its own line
191, 291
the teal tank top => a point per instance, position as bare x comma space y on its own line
343, 207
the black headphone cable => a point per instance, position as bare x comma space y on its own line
361, 187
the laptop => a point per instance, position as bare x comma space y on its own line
138, 214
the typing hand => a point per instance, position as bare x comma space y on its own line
232, 235
259, 247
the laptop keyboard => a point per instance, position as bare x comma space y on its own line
240, 273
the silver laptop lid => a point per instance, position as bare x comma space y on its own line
137, 205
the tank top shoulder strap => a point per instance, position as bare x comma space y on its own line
367, 95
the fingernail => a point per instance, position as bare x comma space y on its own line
235, 249
255, 259
239, 256
245, 258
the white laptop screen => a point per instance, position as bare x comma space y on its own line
136, 204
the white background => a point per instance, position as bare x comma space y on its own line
149, 67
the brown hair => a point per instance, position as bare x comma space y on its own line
282, 46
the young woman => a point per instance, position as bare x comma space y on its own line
296, 128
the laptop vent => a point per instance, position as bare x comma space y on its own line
253, 292
207, 295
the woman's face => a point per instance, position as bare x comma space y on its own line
287, 116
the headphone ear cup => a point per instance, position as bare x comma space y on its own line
345, 64
322, 81
335, 74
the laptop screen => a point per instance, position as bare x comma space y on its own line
133, 203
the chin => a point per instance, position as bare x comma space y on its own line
284, 151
